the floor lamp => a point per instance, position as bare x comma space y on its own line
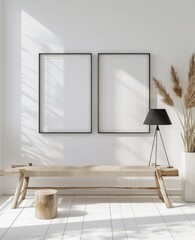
157, 117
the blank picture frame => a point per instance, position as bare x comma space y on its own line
123, 92
65, 93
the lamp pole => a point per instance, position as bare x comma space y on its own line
155, 141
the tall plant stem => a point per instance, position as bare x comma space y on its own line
179, 116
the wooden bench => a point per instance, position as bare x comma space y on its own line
24, 173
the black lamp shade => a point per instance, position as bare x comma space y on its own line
157, 117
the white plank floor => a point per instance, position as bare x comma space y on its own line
100, 217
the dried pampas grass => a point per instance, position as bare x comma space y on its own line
176, 83
188, 122
191, 72
162, 91
189, 98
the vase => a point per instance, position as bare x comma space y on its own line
188, 183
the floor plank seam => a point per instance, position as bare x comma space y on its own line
14, 220
29, 220
70, 206
111, 217
119, 200
186, 215
163, 219
47, 230
86, 201
8, 205
135, 219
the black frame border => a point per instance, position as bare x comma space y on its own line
98, 89
39, 97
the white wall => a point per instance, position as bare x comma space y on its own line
1, 87
163, 28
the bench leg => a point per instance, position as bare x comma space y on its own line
25, 187
18, 190
158, 188
162, 189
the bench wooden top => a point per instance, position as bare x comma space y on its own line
89, 171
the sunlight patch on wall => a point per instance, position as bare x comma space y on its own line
129, 90
53, 88
35, 38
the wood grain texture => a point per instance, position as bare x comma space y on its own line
46, 204
18, 190
157, 172
162, 187
25, 187
91, 171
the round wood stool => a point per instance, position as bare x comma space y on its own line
46, 203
